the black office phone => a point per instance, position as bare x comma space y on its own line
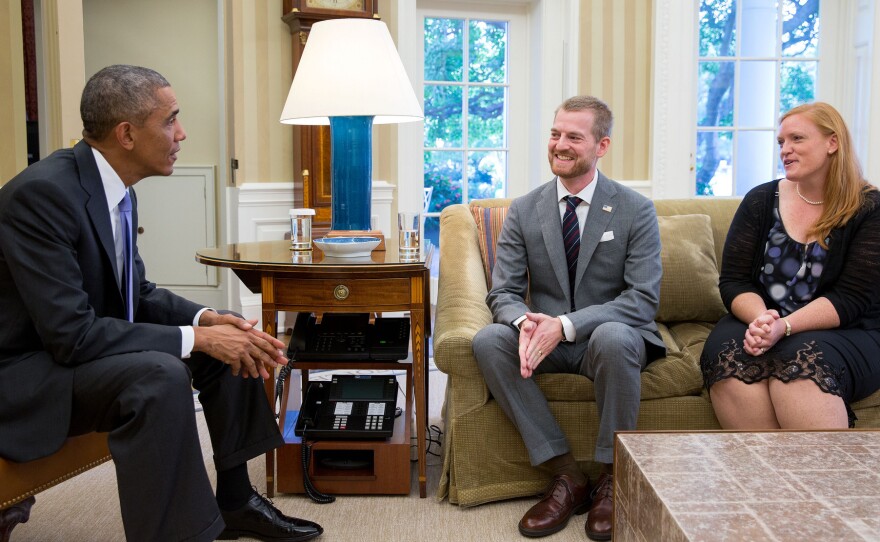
349, 407
348, 337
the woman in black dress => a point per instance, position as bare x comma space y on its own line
801, 279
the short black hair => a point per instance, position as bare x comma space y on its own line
117, 94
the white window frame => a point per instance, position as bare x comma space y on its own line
844, 83
549, 66
515, 86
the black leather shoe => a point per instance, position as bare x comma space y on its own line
261, 520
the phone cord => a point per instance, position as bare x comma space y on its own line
279, 388
311, 491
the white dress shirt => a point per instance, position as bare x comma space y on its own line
582, 209
115, 190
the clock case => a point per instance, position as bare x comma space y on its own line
311, 144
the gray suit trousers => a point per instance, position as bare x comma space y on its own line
612, 357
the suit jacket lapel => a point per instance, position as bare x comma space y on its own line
96, 206
547, 209
596, 224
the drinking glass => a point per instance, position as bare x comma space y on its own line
409, 238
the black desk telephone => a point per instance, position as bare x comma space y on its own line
349, 407
348, 337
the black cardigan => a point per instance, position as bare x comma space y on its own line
850, 279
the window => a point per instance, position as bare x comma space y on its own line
757, 59
466, 92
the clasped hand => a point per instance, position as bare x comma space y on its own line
763, 333
237, 343
539, 334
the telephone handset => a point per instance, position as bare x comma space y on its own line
349, 407
348, 337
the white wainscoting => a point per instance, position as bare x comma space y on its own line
262, 214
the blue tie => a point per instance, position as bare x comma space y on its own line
571, 236
127, 259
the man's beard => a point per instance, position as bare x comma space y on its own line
575, 168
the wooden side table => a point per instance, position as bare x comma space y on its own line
298, 282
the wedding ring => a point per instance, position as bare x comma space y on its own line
540, 352
762, 350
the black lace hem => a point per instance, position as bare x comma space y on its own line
808, 362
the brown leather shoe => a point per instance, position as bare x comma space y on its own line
599, 519
563, 498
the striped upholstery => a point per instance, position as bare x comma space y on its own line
489, 222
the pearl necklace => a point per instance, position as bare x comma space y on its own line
811, 202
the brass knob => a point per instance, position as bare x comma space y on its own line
140, 230
341, 292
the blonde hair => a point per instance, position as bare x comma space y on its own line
845, 187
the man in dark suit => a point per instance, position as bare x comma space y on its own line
79, 354
585, 251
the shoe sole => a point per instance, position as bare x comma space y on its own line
234, 535
598, 536
580, 510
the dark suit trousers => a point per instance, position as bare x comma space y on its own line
144, 401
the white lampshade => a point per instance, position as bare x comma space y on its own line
350, 67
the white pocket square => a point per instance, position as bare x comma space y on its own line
607, 236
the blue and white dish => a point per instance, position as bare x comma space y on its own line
347, 247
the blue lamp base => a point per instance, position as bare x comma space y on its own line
351, 164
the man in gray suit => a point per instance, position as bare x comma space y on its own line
585, 250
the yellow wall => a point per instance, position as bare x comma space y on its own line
13, 136
615, 65
260, 68
63, 75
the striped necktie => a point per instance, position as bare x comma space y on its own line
127, 257
571, 236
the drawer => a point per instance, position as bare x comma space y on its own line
344, 292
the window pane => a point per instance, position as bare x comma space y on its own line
758, 27
798, 84
487, 52
443, 172
432, 231
715, 101
487, 171
444, 49
754, 164
486, 117
757, 103
800, 27
443, 121
718, 27
714, 159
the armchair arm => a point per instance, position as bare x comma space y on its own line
461, 296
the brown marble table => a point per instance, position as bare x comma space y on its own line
780, 486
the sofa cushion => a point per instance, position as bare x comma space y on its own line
489, 222
689, 287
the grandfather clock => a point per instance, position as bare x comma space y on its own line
311, 161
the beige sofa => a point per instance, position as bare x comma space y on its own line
484, 458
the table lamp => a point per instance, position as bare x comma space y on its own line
350, 77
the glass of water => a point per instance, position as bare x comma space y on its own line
301, 229
409, 238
